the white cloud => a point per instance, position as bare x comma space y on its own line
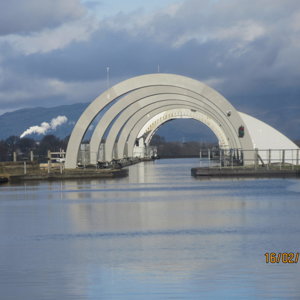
34, 15
49, 40
200, 21
246, 31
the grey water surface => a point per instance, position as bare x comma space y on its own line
158, 234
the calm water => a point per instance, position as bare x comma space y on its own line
158, 234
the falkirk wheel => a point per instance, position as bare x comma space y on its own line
130, 113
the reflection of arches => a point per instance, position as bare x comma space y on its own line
135, 91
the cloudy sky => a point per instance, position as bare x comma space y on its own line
55, 52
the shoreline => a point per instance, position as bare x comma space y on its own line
201, 172
70, 174
14, 172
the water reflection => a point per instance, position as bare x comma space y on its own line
157, 234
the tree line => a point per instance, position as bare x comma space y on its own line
23, 146
175, 149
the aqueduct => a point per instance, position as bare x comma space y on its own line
134, 109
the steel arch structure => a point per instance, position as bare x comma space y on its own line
133, 102
150, 128
136, 129
127, 105
144, 114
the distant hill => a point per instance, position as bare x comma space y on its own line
15, 123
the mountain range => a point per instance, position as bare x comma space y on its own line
15, 123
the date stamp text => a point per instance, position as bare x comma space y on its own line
285, 257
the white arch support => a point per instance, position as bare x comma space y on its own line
145, 113
153, 125
132, 102
183, 113
134, 132
142, 104
170, 82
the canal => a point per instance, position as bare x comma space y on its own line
157, 234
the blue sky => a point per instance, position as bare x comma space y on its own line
55, 52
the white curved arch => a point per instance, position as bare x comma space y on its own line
134, 132
153, 125
134, 101
125, 122
136, 125
130, 104
154, 80
162, 101
197, 115
134, 128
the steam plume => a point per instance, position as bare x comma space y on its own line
45, 126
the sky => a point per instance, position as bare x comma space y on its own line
55, 52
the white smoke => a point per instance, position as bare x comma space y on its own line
45, 126
59, 120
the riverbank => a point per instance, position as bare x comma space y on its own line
63, 175
30, 171
285, 171
70, 174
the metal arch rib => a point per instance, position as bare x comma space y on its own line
121, 124
132, 102
139, 125
156, 122
135, 83
129, 103
108, 96
143, 114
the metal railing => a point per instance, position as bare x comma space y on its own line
269, 158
